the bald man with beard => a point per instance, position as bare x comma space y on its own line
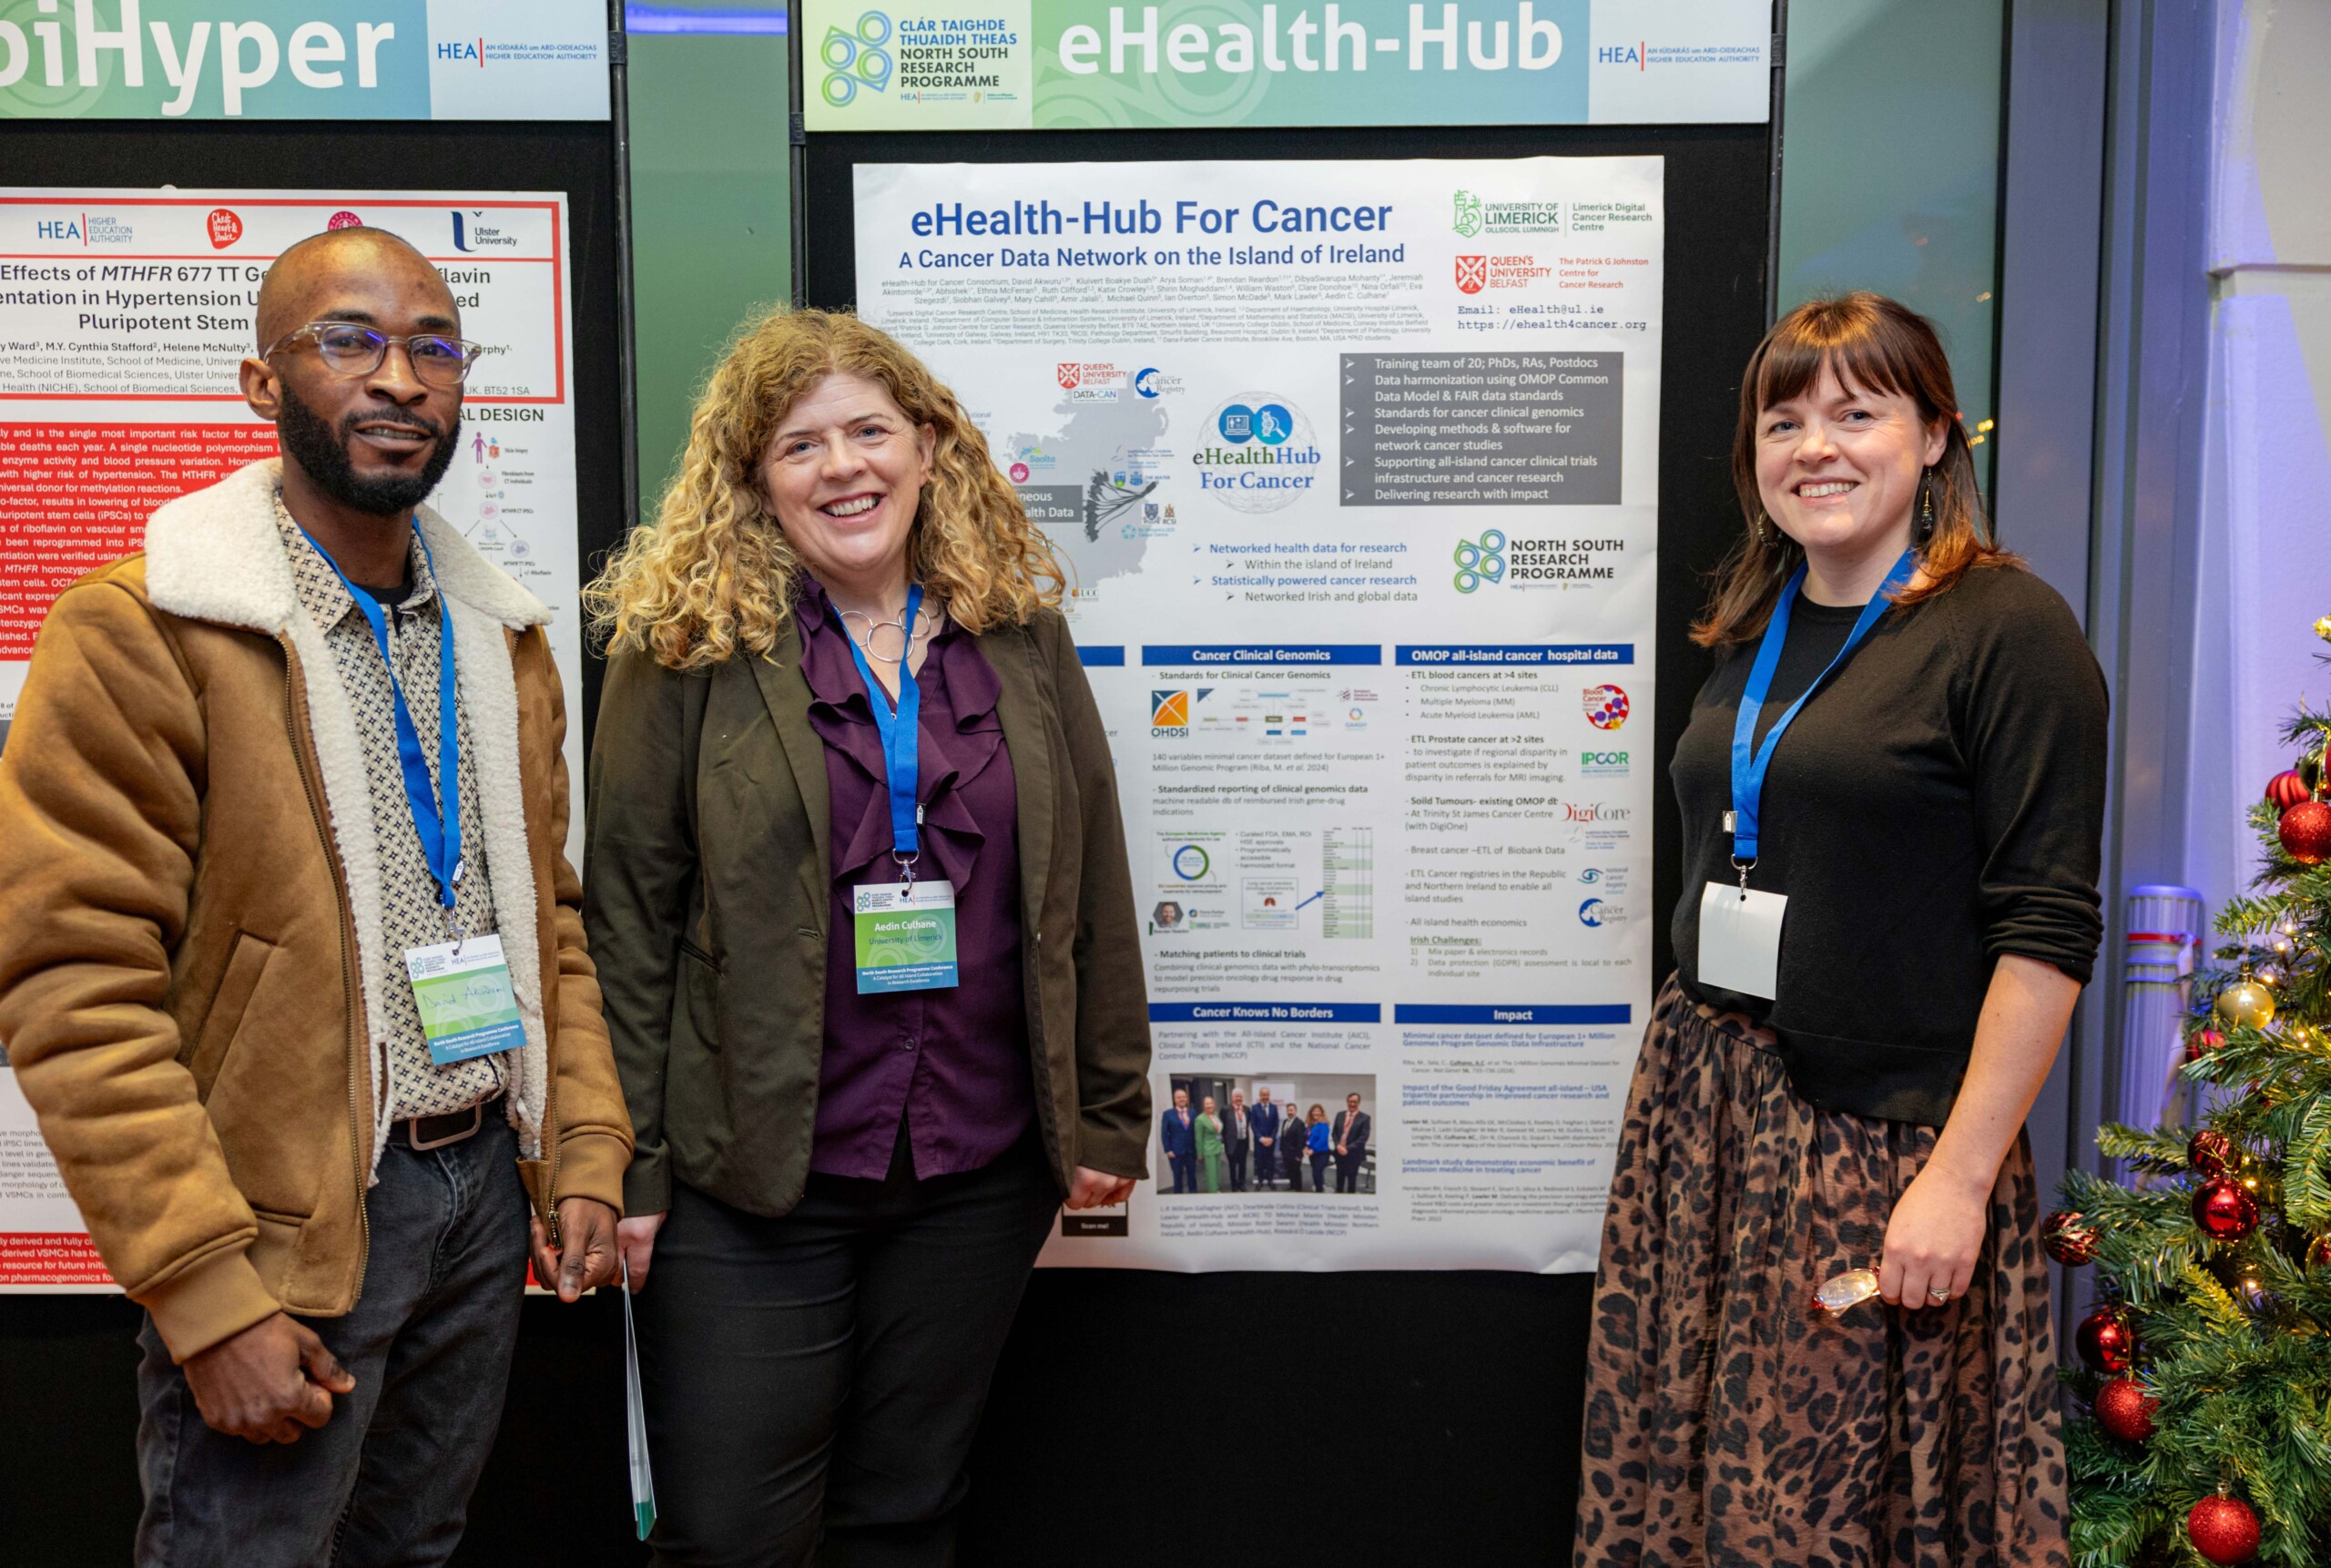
273, 781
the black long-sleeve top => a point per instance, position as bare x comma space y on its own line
1939, 803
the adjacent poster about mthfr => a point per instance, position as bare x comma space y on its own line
124, 315
1354, 465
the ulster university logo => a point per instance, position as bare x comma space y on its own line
1472, 274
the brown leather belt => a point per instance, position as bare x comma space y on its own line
421, 1133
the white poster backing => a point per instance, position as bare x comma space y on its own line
1354, 467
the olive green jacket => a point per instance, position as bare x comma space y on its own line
708, 889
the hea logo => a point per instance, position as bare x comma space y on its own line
856, 56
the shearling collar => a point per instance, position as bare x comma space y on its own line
215, 555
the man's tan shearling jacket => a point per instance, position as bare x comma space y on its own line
192, 959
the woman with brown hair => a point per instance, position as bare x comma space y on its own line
858, 895
1892, 789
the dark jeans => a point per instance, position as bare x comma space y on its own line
824, 1372
387, 1480
1348, 1172
1319, 1171
1185, 1172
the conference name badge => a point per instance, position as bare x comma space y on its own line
905, 934
467, 1008
1740, 938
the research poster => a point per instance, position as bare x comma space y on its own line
124, 315
1353, 466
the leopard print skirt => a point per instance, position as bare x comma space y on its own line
1729, 1422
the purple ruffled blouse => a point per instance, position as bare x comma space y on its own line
953, 1062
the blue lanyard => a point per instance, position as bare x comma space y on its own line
1749, 761
440, 832
901, 735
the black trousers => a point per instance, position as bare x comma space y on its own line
813, 1382
1348, 1172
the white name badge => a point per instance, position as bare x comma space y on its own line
462, 991
1740, 938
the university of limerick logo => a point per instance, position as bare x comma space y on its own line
1469, 214
1481, 561
857, 56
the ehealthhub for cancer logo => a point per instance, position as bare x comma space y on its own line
857, 56
1266, 457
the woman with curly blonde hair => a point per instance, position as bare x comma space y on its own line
857, 896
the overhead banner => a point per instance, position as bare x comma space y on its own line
304, 59
1354, 466
1021, 64
124, 317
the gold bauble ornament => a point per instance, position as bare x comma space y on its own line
2248, 1004
2323, 629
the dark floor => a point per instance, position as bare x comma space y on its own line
1138, 1419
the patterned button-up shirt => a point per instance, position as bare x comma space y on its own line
411, 915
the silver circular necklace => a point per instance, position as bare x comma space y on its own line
874, 642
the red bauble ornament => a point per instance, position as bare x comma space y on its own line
2107, 1340
2286, 788
2305, 832
2201, 1042
2124, 1409
2223, 1529
2318, 1252
2224, 1209
2212, 1152
2070, 1240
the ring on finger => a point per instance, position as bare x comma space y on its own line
1941, 1295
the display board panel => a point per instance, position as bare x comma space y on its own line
1020, 64
304, 60
1354, 469
124, 317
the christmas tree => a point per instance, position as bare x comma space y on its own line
2204, 1369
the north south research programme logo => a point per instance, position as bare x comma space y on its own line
1479, 561
857, 56
1606, 706
1266, 457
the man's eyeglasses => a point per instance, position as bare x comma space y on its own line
351, 349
